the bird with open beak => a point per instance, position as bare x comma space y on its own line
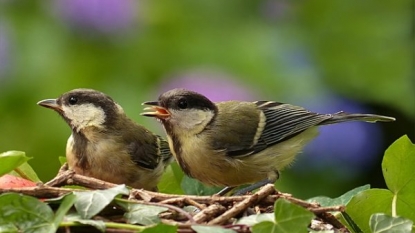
233, 143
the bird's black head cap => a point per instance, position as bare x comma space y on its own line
180, 99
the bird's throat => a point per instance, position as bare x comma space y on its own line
79, 150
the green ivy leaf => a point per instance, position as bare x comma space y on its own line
256, 218
10, 160
342, 200
26, 171
171, 180
268, 227
73, 217
161, 228
288, 218
90, 203
8, 227
193, 187
142, 214
397, 168
25, 213
64, 207
382, 223
210, 229
368, 202
62, 160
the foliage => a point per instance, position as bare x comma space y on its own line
11, 160
384, 223
90, 203
141, 214
27, 214
367, 210
342, 200
398, 200
287, 217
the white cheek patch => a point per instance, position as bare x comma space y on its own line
192, 121
84, 115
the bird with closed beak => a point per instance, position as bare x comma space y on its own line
106, 144
233, 143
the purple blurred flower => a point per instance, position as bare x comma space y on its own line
349, 147
275, 9
106, 16
215, 85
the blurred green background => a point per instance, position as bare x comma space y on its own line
324, 55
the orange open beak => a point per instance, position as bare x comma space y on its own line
155, 110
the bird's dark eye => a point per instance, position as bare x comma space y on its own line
182, 104
73, 100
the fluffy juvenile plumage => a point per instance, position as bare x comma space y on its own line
233, 143
106, 144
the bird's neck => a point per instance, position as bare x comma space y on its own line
79, 148
175, 144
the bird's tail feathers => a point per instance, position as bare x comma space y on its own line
343, 117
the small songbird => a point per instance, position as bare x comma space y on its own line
106, 144
234, 143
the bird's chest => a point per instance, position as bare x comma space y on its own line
199, 160
93, 157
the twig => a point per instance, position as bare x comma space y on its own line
184, 200
194, 203
227, 200
209, 213
63, 168
89, 182
241, 206
69, 177
329, 218
171, 207
320, 210
297, 201
213, 208
177, 209
44, 191
40, 191
61, 178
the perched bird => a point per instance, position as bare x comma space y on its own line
106, 144
234, 143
